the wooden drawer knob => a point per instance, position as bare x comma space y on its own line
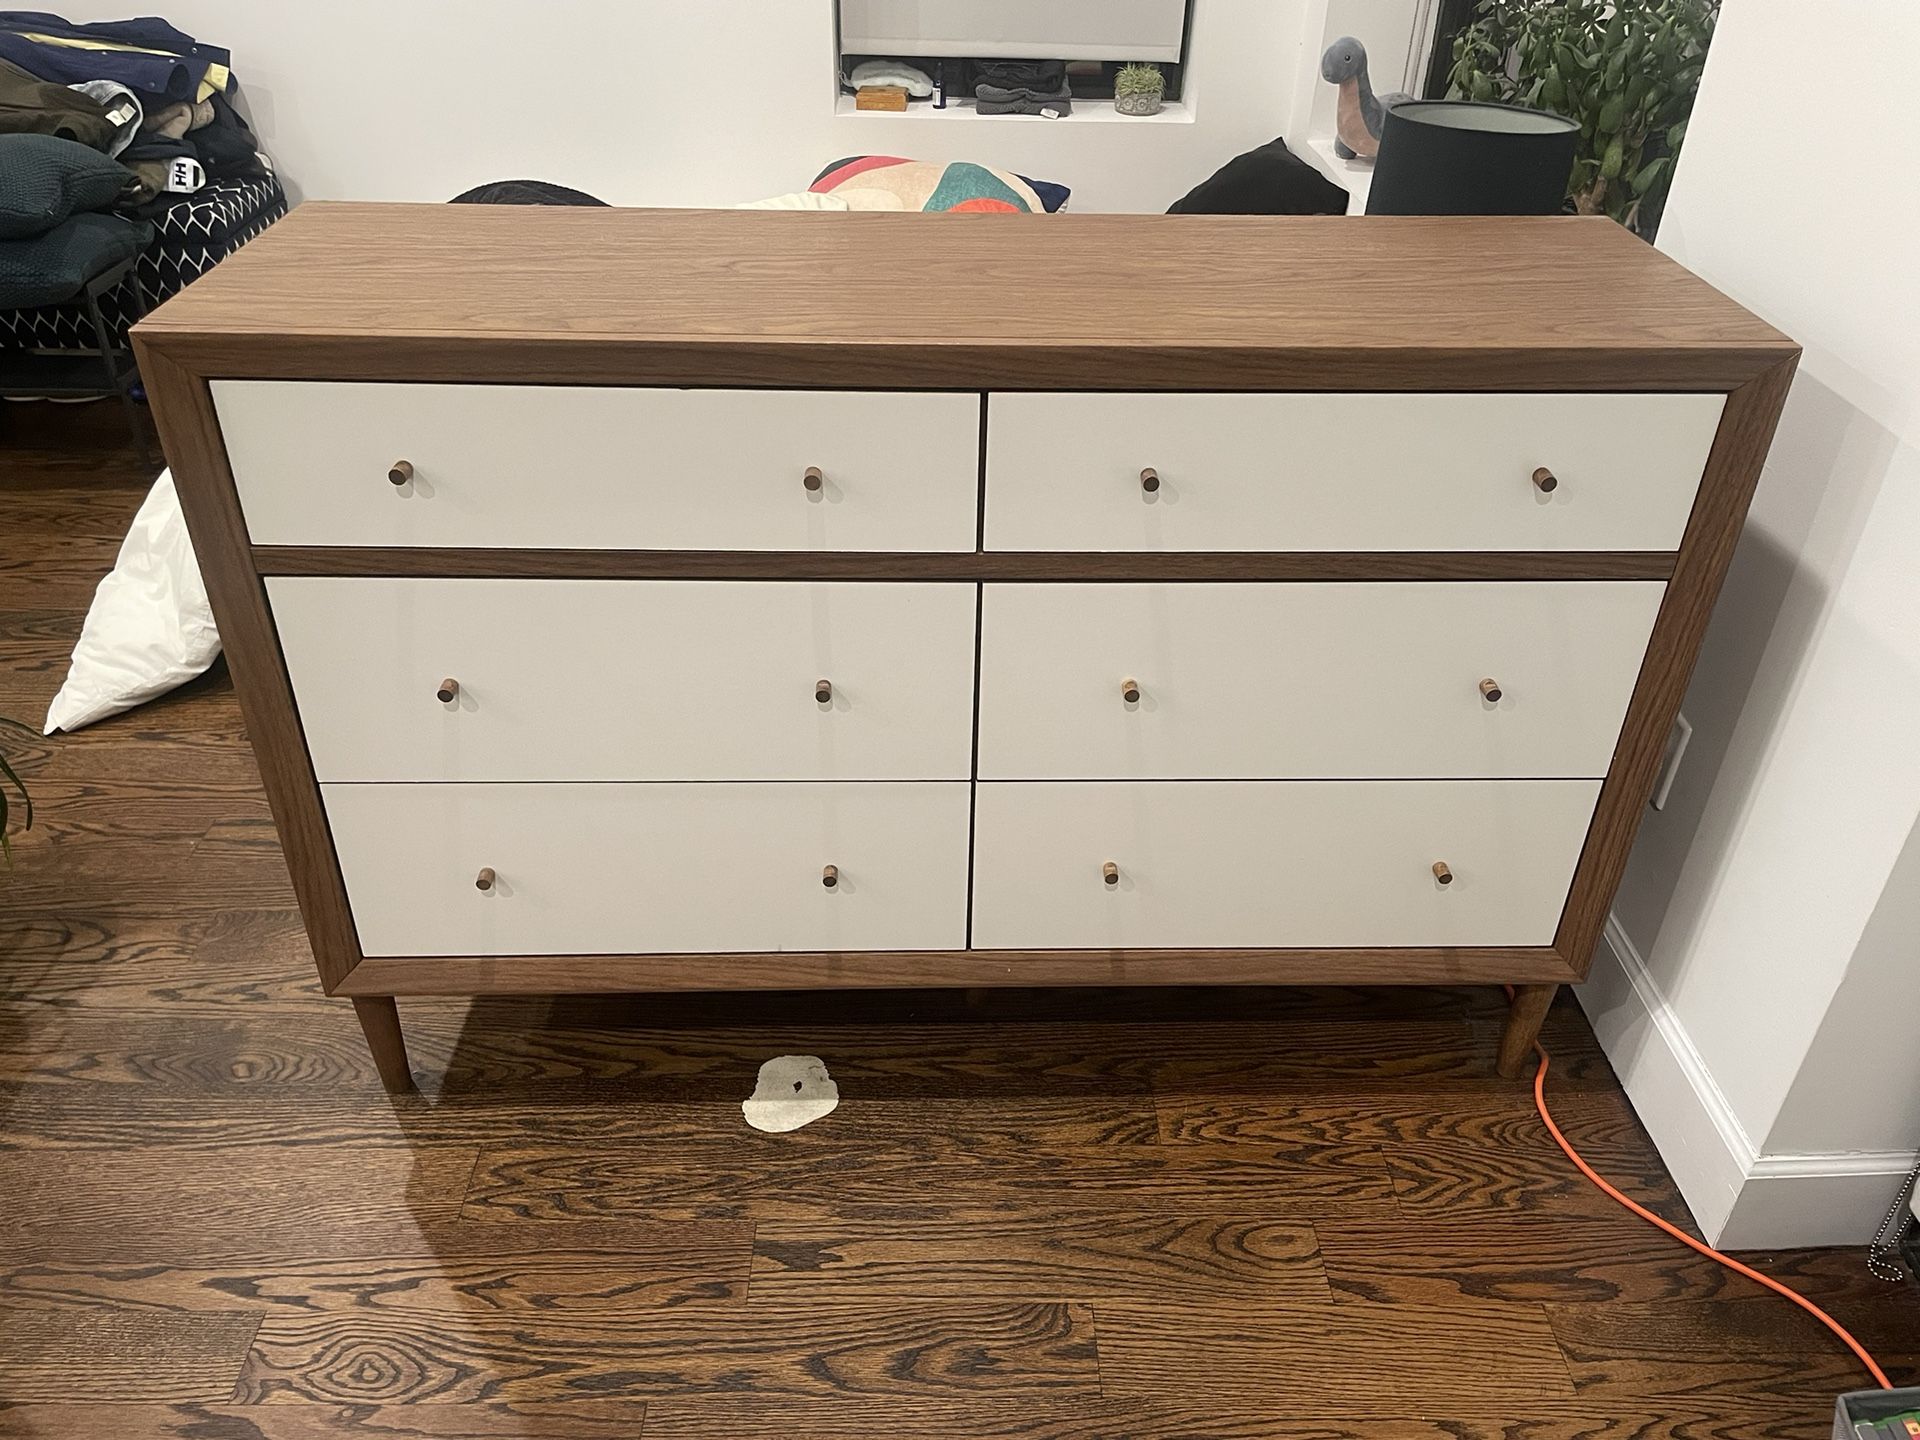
823, 691
449, 689
400, 472
1491, 689
1545, 481
1442, 873
1110, 873
813, 479
484, 880
830, 876
1150, 480
1130, 690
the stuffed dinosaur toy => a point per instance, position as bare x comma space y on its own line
1357, 121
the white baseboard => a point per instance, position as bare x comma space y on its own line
1740, 1198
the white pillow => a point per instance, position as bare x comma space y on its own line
914, 81
796, 200
150, 628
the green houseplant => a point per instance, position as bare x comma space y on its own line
1627, 70
1138, 89
9, 776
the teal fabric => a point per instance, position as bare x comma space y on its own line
49, 268
44, 180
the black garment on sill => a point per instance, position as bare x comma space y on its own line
524, 192
1048, 75
1271, 180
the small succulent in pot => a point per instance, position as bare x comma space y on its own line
1138, 90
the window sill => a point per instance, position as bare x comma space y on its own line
961, 108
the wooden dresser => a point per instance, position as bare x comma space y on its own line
646, 600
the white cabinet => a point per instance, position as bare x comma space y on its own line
1253, 864
1373, 472
664, 766
630, 679
651, 869
1386, 680
584, 468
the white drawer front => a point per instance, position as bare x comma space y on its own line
1309, 681
630, 679
580, 468
1215, 864
1343, 472
652, 869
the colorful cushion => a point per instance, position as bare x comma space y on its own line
890, 182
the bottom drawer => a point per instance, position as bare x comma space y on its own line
584, 869
1273, 863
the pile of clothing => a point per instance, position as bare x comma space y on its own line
1022, 87
139, 91
162, 107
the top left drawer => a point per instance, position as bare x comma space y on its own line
589, 468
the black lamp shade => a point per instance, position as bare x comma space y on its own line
1463, 157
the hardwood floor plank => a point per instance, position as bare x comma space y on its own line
1524, 1257
526, 1268
1462, 1179
1332, 1358
135, 1205
1733, 1347
1037, 1256
75, 1117
164, 807
120, 1355
499, 1420
824, 1176
189, 1054
1529, 1173
1332, 1114
1140, 1418
139, 879
235, 963
814, 1350
194, 732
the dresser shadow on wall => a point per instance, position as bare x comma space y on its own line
1829, 463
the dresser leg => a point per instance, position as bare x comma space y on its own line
380, 1020
1529, 1011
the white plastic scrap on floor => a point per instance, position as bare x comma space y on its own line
793, 1090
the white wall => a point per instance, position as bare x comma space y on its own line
1775, 905
675, 102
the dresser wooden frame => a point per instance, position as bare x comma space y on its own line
464, 294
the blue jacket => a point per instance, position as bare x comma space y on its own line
178, 73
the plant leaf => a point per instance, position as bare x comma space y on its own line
1650, 172
9, 772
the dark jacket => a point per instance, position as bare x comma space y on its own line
176, 74
32, 106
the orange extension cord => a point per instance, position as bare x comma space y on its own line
1540, 1103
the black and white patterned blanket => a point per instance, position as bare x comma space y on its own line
192, 236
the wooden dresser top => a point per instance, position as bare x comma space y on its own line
741, 297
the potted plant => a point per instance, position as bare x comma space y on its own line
1139, 89
8, 775
1626, 70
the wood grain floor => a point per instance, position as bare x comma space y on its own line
1196, 1215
